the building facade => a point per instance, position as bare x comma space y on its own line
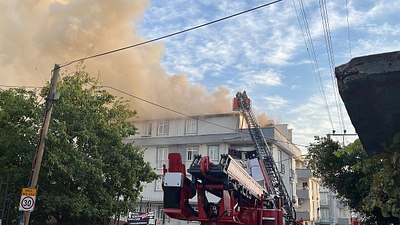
210, 135
307, 189
331, 210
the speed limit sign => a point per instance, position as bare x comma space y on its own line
28, 198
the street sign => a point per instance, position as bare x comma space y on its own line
29, 191
28, 199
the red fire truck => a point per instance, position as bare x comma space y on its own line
242, 200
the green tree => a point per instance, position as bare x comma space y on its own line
88, 173
384, 195
19, 115
366, 183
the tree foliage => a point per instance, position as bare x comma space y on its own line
368, 184
19, 113
384, 194
88, 173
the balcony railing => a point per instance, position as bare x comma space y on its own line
303, 173
303, 215
304, 194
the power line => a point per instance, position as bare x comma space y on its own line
40, 77
20, 86
169, 35
348, 28
164, 37
308, 41
331, 59
174, 111
187, 115
293, 157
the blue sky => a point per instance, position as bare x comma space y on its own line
264, 53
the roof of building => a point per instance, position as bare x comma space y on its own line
180, 116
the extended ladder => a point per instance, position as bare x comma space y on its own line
243, 103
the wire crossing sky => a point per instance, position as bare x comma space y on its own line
278, 56
264, 54
169, 35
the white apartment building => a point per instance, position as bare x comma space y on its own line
210, 135
308, 199
331, 210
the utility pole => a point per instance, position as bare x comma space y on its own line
51, 97
343, 135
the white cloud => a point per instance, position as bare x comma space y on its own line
262, 37
275, 102
367, 47
264, 78
385, 29
283, 45
377, 38
311, 118
294, 87
255, 50
252, 80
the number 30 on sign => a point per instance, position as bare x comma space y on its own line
28, 199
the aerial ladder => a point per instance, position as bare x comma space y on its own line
270, 171
226, 193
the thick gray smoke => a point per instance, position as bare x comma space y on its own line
36, 34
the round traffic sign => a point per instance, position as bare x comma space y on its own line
27, 202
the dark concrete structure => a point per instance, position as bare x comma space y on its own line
370, 89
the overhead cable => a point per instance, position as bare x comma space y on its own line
20, 86
187, 115
169, 35
172, 110
331, 60
308, 41
348, 28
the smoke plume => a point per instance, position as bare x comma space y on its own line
36, 34
265, 121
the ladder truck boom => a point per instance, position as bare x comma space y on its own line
271, 174
240, 199
224, 193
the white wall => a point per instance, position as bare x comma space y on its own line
227, 124
217, 124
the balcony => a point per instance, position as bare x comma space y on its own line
343, 220
323, 221
303, 215
341, 205
303, 173
304, 194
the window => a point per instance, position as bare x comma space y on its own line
162, 128
213, 152
190, 152
324, 214
324, 198
291, 175
305, 185
282, 168
147, 129
191, 127
162, 157
344, 213
158, 184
